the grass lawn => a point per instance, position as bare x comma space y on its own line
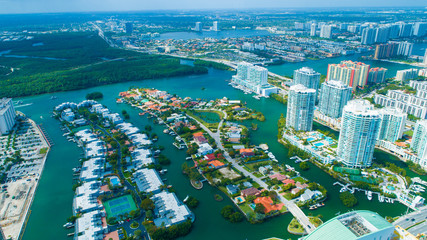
43, 151
409, 133
316, 221
258, 175
287, 196
246, 208
296, 227
300, 179
211, 126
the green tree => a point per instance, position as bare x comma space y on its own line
147, 204
259, 208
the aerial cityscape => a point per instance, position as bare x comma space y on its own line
184, 120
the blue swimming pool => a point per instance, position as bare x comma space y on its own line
310, 139
389, 187
319, 144
114, 181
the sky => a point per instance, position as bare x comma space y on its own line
47, 6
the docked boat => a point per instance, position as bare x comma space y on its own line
369, 195
188, 158
68, 225
166, 131
186, 198
163, 171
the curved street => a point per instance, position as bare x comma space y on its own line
290, 205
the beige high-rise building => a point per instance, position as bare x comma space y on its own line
353, 74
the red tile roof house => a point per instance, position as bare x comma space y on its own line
278, 176
301, 186
288, 181
295, 190
200, 140
251, 192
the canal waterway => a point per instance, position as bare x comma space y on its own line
53, 200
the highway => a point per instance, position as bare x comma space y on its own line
417, 217
290, 205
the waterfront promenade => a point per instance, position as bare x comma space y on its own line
290, 205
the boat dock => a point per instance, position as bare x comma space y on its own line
369, 194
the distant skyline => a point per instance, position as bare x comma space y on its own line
52, 6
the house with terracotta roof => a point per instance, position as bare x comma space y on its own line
216, 164
251, 192
288, 181
301, 185
246, 152
268, 204
278, 176
199, 140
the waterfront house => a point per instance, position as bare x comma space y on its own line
90, 226
278, 176
308, 195
268, 204
86, 196
246, 152
250, 192
92, 169
199, 140
205, 149
288, 181
148, 180
232, 189
68, 115
169, 210
265, 169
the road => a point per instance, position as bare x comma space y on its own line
290, 205
418, 217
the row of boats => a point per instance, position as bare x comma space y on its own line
316, 206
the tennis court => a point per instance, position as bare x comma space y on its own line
119, 206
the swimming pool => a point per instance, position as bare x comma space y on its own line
114, 181
310, 139
389, 187
319, 144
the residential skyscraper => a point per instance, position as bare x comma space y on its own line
392, 124
419, 139
198, 27
388, 50
129, 27
215, 26
420, 29
307, 77
334, 95
300, 108
326, 31
405, 49
376, 75
258, 75
7, 115
394, 31
313, 29
368, 36
405, 30
359, 128
254, 79
425, 58
408, 74
353, 74
381, 34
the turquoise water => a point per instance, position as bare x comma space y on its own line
318, 144
53, 200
